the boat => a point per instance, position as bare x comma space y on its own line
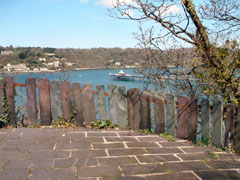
124, 76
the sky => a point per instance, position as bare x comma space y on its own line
63, 24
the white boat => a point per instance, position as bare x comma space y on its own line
124, 76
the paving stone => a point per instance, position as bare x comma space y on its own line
29, 133
142, 144
75, 135
6, 130
163, 150
3, 162
26, 164
101, 171
118, 139
198, 149
40, 155
129, 139
14, 135
68, 146
173, 176
228, 156
174, 144
125, 178
75, 162
142, 169
156, 158
13, 155
19, 141
117, 161
40, 174
9, 147
151, 138
107, 145
219, 175
59, 140
37, 147
88, 153
186, 166
41, 148
102, 134
198, 156
224, 164
124, 152
131, 133
92, 139
14, 174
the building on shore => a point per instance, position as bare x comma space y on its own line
8, 67
20, 67
6, 52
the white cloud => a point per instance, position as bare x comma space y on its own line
111, 3
84, 1
165, 10
128, 13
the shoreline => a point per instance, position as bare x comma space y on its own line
59, 70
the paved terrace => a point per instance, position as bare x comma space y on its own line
44, 153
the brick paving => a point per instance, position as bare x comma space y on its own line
85, 154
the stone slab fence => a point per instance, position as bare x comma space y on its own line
181, 117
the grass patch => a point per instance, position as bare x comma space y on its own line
146, 131
212, 154
170, 138
62, 123
100, 124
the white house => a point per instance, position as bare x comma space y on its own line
20, 67
43, 69
50, 54
42, 59
6, 52
117, 63
56, 63
8, 67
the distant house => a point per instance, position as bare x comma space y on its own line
53, 64
43, 69
56, 63
50, 54
8, 67
20, 67
42, 59
6, 52
50, 64
68, 64
117, 63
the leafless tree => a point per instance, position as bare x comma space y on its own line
179, 37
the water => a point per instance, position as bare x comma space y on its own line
99, 76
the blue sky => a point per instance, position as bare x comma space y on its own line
65, 24
61, 24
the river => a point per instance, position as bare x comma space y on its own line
97, 76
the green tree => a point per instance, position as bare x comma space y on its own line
38, 54
49, 50
22, 55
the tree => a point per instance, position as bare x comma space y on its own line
22, 55
49, 50
38, 54
187, 39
